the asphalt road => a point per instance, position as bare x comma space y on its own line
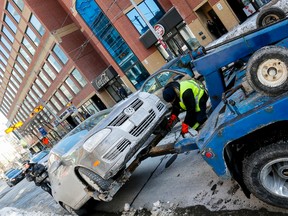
187, 187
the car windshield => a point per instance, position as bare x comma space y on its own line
68, 142
79, 132
39, 156
12, 173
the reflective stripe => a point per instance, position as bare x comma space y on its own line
196, 125
198, 90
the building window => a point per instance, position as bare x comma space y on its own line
77, 75
15, 82
60, 54
37, 91
51, 108
12, 87
15, 74
32, 95
32, 36
152, 12
20, 71
22, 63
72, 85
44, 78
61, 98
11, 92
37, 25
3, 60
110, 39
55, 103
8, 34
6, 43
49, 71
54, 63
10, 23
25, 55
19, 3
13, 12
66, 92
4, 52
28, 45
40, 85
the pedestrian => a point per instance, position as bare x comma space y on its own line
122, 92
190, 96
37, 173
213, 29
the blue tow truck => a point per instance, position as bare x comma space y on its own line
245, 136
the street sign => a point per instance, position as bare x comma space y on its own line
42, 131
160, 30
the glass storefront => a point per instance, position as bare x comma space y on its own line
110, 38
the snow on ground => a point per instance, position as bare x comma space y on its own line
8, 211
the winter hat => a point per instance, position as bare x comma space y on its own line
169, 94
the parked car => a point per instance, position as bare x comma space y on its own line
13, 176
180, 68
96, 152
40, 157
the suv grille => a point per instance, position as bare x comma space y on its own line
116, 151
119, 120
160, 106
137, 130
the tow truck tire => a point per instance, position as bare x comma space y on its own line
267, 70
269, 15
94, 180
265, 174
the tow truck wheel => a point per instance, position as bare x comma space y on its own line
267, 70
93, 180
269, 16
265, 174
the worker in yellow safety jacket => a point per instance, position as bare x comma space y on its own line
188, 95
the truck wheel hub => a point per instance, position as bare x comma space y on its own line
272, 73
274, 177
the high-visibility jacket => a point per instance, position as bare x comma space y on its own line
198, 90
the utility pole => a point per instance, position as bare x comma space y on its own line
158, 37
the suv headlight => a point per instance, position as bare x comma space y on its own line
91, 143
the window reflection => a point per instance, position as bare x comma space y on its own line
8, 34
66, 92
6, 43
32, 36
77, 75
49, 71
152, 12
37, 25
28, 45
10, 23
60, 54
19, 3
72, 85
111, 40
54, 63
13, 12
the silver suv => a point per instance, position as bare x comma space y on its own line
93, 159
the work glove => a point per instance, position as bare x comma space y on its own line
184, 129
171, 120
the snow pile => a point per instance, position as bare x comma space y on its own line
159, 209
8, 211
